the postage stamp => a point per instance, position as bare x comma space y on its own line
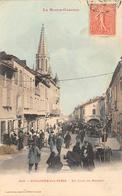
103, 19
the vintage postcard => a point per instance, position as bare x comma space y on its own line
60, 97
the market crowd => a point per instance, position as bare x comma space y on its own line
55, 138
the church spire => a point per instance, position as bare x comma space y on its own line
42, 48
42, 58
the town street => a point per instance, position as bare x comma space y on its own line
19, 162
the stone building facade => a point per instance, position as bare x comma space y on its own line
28, 97
93, 111
114, 100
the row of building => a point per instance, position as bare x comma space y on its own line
28, 97
107, 108
92, 112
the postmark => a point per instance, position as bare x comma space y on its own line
103, 19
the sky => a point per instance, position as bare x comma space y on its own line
73, 51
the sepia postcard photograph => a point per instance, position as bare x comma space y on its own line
60, 97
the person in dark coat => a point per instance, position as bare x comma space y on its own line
30, 139
77, 148
26, 136
82, 135
20, 139
39, 142
54, 162
104, 136
52, 141
59, 142
42, 138
32, 130
67, 140
78, 140
87, 156
34, 156
74, 157
13, 138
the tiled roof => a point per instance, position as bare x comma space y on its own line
8, 65
8, 58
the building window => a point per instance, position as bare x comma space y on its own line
20, 78
93, 111
9, 97
16, 77
10, 126
30, 84
19, 103
42, 64
41, 61
46, 64
5, 80
3, 131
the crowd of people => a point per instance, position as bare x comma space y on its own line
55, 138
81, 155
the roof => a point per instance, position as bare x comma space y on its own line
53, 82
48, 77
8, 65
92, 100
7, 58
40, 78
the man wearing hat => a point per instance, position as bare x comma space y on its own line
87, 155
34, 156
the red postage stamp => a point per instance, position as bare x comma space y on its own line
102, 19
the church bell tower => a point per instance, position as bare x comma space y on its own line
42, 58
